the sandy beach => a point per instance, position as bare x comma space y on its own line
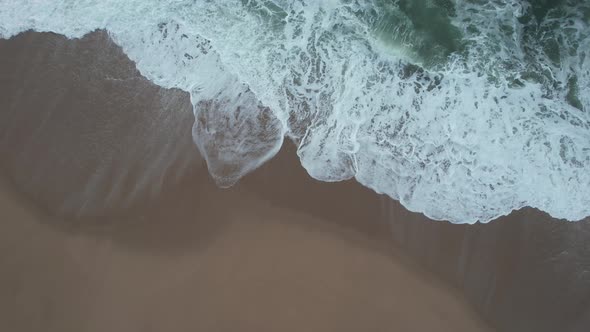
201, 259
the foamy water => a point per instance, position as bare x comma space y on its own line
463, 110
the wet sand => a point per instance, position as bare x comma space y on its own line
201, 259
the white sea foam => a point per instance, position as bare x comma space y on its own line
491, 129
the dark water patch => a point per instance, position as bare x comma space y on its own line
422, 27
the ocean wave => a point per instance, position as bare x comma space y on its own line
463, 110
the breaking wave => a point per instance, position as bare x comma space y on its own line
463, 110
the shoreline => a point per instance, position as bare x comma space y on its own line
108, 150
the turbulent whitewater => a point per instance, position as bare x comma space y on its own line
461, 109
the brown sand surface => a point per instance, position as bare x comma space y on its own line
201, 259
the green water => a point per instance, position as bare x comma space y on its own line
536, 47
421, 29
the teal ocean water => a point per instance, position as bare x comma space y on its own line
463, 110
